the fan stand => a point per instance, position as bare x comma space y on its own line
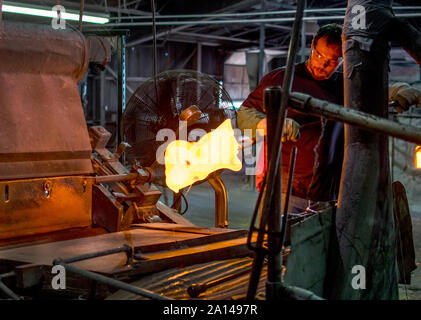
221, 199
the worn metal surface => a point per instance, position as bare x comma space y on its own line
310, 240
107, 212
192, 245
112, 282
31, 206
174, 283
42, 126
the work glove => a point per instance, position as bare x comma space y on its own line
402, 96
291, 131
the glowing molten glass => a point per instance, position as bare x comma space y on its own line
188, 162
418, 157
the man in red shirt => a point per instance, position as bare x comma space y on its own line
314, 175
319, 141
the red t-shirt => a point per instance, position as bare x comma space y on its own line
319, 153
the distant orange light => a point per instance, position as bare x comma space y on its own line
418, 157
189, 162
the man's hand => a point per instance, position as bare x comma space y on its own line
402, 96
291, 130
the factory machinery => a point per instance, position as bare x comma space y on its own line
68, 202
68, 206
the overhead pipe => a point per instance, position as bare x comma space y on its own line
245, 14
167, 32
209, 21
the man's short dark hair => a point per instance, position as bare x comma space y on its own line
333, 33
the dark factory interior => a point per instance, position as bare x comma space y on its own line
235, 150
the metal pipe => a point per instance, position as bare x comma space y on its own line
82, 6
69, 4
210, 36
125, 248
139, 177
305, 102
198, 288
8, 292
261, 47
111, 282
245, 14
121, 83
167, 32
272, 101
303, 39
6, 289
221, 202
187, 24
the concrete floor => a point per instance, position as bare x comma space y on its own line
241, 201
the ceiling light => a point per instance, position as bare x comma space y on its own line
21, 9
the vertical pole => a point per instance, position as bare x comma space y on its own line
82, 6
121, 83
93, 93
199, 57
262, 46
303, 38
102, 100
199, 68
1, 12
272, 101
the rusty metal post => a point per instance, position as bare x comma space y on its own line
364, 221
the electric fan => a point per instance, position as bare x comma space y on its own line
158, 103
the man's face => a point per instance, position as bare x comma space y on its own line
324, 59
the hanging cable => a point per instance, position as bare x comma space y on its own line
185, 201
82, 6
155, 69
154, 38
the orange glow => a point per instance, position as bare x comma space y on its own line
189, 162
418, 157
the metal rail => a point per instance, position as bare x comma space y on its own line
305, 102
6, 289
111, 282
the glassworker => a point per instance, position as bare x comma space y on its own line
319, 141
